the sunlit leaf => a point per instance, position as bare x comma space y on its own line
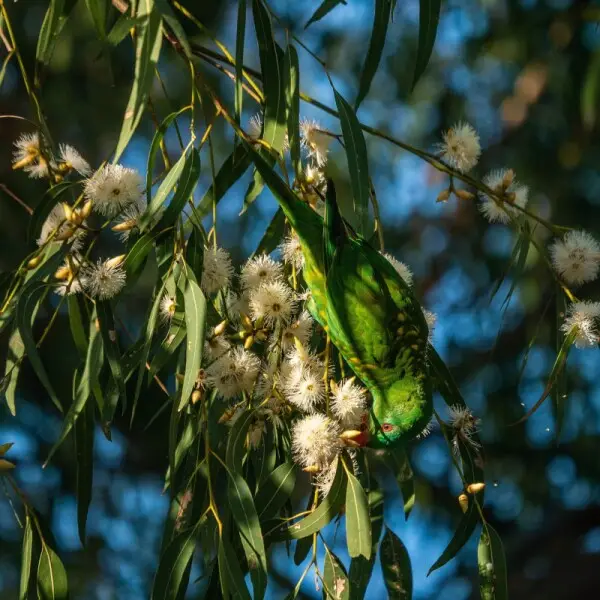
335, 579
97, 10
292, 99
237, 440
358, 165
147, 52
396, 568
325, 7
195, 319
26, 559
239, 58
174, 567
123, 25
493, 583
51, 576
358, 523
378, 34
429, 15
173, 22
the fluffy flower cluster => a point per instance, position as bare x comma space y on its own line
576, 257
582, 319
511, 194
461, 148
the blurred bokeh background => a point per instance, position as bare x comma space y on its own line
517, 70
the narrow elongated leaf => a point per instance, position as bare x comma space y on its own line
292, 100
173, 22
559, 390
276, 490
230, 573
26, 558
335, 579
40, 213
12, 368
325, 7
195, 320
325, 512
185, 188
236, 442
76, 322
147, 52
590, 93
188, 436
194, 253
398, 462
271, 66
136, 257
246, 518
493, 583
231, 170
54, 21
358, 166
169, 345
239, 58
84, 450
429, 16
273, 235
396, 568
82, 392
173, 571
165, 188
123, 25
51, 576
111, 346
461, 536
358, 523
155, 147
97, 10
383, 10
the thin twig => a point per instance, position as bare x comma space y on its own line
16, 198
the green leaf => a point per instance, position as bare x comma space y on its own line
136, 257
166, 187
26, 555
230, 573
383, 10
195, 320
97, 10
187, 438
245, 515
51, 576
325, 512
231, 170
273, 235
54, 21
76, 322
147, 52
12, 368
123, 25
236, 442
44, 208
292, 100
255, 188
276, 490
173, 571
239, 58
397, 461
173, 22
358, 165
111, 346
194, 253
155, 147
396, 568
82, 389
84, 451
559, 390
590, 93
358, 523
360, 567
326, 7
429, 15
271, 66
493, 583
335, 579
461, 536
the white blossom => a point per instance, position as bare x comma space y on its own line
461, 148
401, 268
74, 160
68, 287
69, 275
325, 477
348, 403
515, 194
315, 440
308, 391
431, 320
260, 269
583, 316
129, 218
28, 156
427, 429
576, 258
235, 372
300, 329
168, 306
255, 433
315, 141
255, 126
216, 346
113, 188
273, 302
59, 229
105, 279
291, 250
464, 425
217, 270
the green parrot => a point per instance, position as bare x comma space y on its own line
370, 316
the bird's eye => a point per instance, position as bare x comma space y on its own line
387, 427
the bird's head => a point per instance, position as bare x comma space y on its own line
399, 413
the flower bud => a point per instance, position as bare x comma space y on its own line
463, 501
125, 225
196, 396
63, 272
4, 448
5, 465
248, 342
508, 178
312, 469
464, 195
34, 262
443, 196
68, 211
220, 328
474, 488
86, 209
